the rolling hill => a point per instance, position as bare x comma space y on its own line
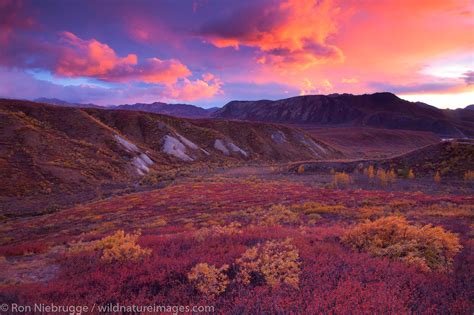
379, 110
364, 142
451, 159
49, 149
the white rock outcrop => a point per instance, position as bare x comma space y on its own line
176, 148
225, 148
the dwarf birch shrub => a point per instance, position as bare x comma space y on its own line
208, 279
116, 247
429, 247
277, 262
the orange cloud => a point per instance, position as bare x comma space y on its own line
387, 45
188, 90
90, 58
321, 87
293, 34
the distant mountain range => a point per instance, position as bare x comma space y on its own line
177, 110
55, 101
379, 110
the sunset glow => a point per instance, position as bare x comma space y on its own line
210, 52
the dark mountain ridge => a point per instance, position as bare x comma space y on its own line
380, 110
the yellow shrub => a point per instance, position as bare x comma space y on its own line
392, 176
469, 176
384, 177
158, 222
233, 228
431, 248
445, 210
341, 179
300, 169
315, 207
370, 212
276, 261
116, 247
278, 214
208, 279
370, 171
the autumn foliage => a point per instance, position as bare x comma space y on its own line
208, 279
431, 248
276, 262
250, 246
116, 247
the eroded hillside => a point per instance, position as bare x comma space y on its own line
49, 149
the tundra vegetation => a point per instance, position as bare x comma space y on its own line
253, 244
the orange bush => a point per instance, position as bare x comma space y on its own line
370, 171
469, 176
276, 261
431, 248
276, 215
301, 169
382, 176
116, 247
233, 228
316, 207
341, 179
208, 279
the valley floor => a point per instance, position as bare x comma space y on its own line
251, 240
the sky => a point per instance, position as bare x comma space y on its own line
208, 53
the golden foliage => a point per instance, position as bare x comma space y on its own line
392, 175
116, 247
276, 215
444, 210
208, 279
431, 248
158, 222
300, 169
233, 228
341, 179
382, 176
437, 177
276, 261
469, 176
370, 171
315, 207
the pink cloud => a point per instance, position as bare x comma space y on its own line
91, 58
188, 90
18, 84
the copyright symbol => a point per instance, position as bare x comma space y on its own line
4, 307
